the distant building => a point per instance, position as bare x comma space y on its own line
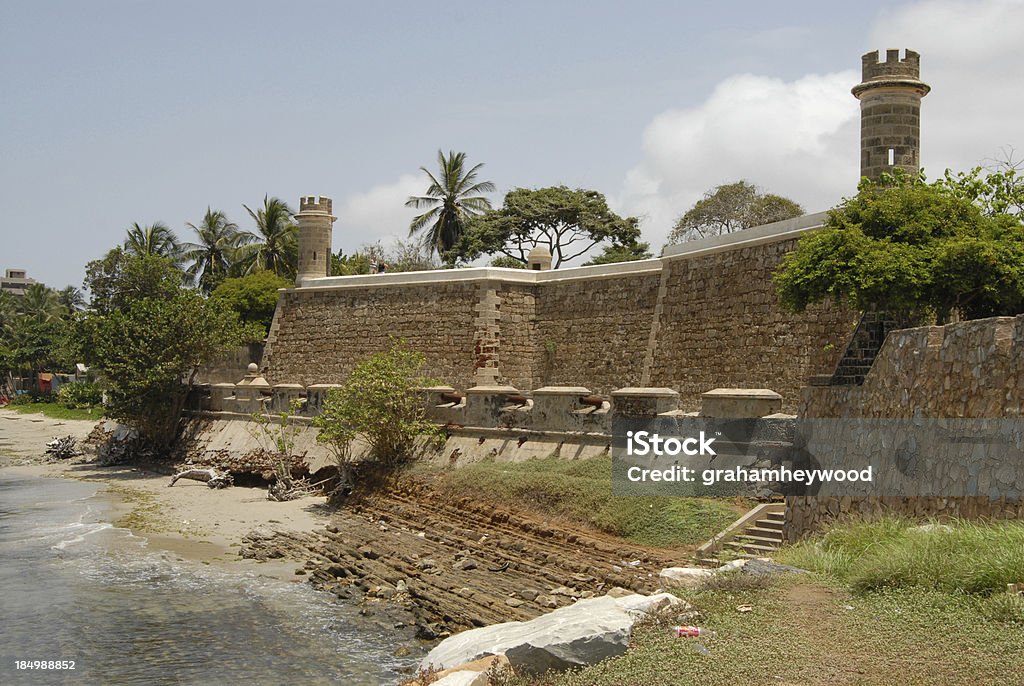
15, 281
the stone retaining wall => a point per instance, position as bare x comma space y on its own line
970, 369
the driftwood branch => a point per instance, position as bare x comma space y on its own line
212, 477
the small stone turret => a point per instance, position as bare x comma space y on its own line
315, 223
890, 95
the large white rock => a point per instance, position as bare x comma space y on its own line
463, 679
577, 635
684, 577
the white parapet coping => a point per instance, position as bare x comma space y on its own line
758, 235
742, 394
748, 238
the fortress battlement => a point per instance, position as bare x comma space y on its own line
315, 203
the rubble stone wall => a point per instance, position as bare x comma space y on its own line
969, 369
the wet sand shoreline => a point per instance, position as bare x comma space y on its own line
189, 520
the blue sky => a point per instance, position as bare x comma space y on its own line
121, 112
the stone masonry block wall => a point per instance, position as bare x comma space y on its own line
319, 335
970, 369
722, 325
595, 332
517, 316
704, 317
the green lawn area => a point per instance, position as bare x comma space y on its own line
888, 604
581, 491
57, 411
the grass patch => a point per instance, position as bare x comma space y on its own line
57, 411
803, 632
581, 491
959, 557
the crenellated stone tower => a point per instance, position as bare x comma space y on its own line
315, 223
890, 95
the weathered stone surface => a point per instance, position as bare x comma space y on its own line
692, 321
972, 369
684, 577
580, 634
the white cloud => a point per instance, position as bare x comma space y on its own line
376, 214
970, 55
800, 138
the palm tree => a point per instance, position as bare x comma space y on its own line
212, 256
453, 197
40, 303
71, 299
155, 239
8, 311
273, 245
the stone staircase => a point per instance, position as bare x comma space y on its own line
861, 350
760, 539
758, 533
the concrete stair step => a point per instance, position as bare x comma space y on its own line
774, 524
752, 547
774, 535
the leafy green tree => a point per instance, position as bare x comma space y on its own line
622, 253
41, 303
146, 334
32, 329
118, 279
274, 244
252, 297
380, 403
8, 310
913, 250
451, 199
154, 239
211, 258
507, 262
731, 207
1000, 191
349, 265
569, 222
71, 299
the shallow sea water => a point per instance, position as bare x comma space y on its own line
73, 587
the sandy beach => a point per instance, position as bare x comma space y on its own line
188, 520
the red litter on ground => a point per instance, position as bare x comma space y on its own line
691, 631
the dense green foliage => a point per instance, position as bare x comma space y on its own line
152, 239
212, 258
252, 297
622, 253
145, 334
32, 329
731, 207
452, 198
913, 249
568, 222
380, 404
79, 394
274, 244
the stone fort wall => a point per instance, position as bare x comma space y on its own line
971, 369
703, 316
